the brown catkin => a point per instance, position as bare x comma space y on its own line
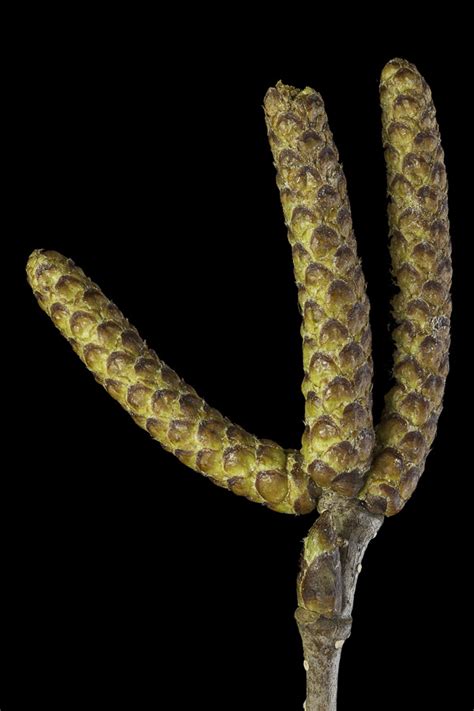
158, 400
421, 262
338, 438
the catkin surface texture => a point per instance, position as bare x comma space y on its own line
158, 399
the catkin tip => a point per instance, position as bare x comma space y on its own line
33, 262
41, 261
393, 66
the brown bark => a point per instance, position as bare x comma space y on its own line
323, 635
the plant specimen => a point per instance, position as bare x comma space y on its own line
353, 474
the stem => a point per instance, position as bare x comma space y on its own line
323, 636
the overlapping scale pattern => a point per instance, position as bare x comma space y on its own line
421, 261
338, 438
158, 400
338, 441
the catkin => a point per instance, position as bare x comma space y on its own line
158, 400
338, 439
421, 263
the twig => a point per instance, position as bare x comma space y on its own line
352, 526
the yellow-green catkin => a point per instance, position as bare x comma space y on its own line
338, 438
421, 262
158, 400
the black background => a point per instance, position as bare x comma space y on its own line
126, 578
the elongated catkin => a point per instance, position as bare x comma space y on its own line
421, 262
158, 400
338, 439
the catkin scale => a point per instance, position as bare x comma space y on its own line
338, 438
421, 263
158, 400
